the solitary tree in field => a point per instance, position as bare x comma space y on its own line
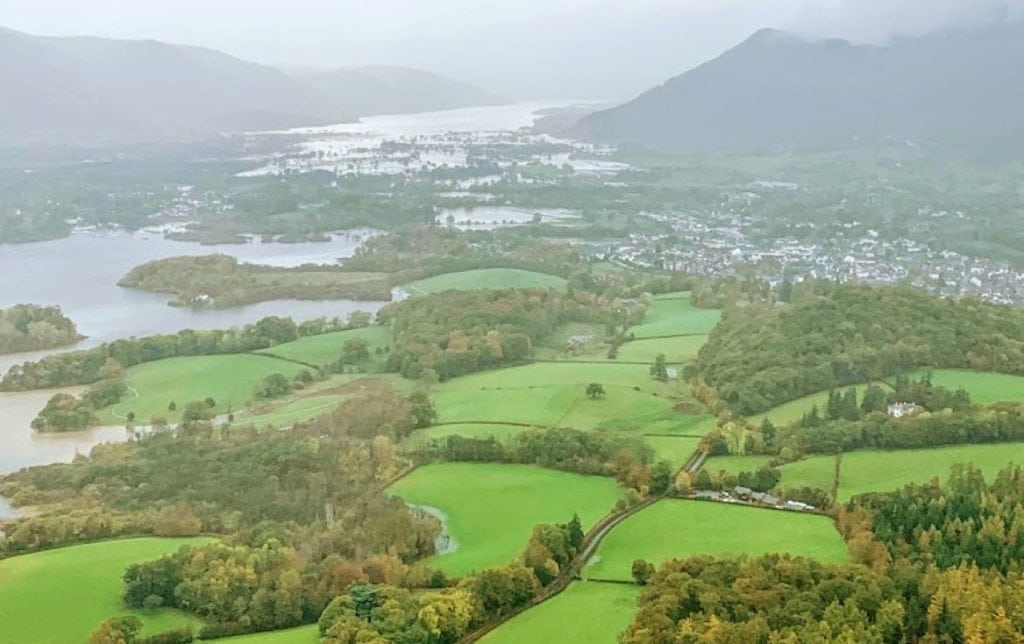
659, 369
642, 571
595, 390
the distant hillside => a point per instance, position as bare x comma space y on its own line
95, 89
777, 91
394, 90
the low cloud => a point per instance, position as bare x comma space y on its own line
876, 21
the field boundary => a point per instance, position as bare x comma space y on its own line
667, 337
274, 356
591, 541
571, 572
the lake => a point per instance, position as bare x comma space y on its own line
80, 273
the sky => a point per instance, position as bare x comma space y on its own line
519, 49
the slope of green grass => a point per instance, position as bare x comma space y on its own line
300, 635
883, 471
294, 411
673, 314
322, 350
584, 613
676, 350
61, 596
485, 278
491, 509
735, 464
228, 379
673, 529
553, 394
469, 430
674, 449
985, 387
880, 471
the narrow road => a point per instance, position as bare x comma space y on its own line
589, 546
113, 410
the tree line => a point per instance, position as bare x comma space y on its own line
88, 366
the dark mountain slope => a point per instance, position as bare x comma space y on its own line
779, 91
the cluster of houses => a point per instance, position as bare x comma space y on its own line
740, 494
715, 243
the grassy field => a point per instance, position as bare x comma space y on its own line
229, 379
295, 411
985, 387
674, 449
677, 529
735, 464
61, 596
818, 471
491, 509
673, 314
882, 471
300, 635
469, 430
676, 350
584, 613
322, 350
485, 278
553, 394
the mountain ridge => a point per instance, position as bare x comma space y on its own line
779, 91
86, 89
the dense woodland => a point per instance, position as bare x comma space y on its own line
459, 332
762, 355
29, 327
216, 281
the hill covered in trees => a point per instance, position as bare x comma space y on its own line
762, 355
28, 327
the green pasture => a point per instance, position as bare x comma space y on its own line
584, 613
554, 394
674, 449
985, 387
675, 529
300, 635
673, 314
83, 585
877, 470
735, 464
491, 509
228, 379
294, 411
467, 430
884, 471
676, 350
485, 278
322, 350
